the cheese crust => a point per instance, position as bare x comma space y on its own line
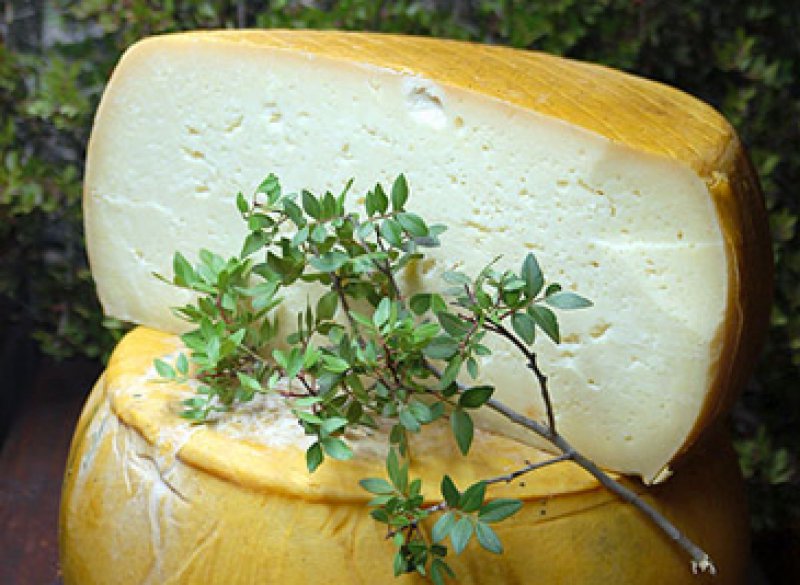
149, 498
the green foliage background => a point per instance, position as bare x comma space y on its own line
742, 57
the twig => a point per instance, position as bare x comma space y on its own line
701, 562
532, 365
529, 467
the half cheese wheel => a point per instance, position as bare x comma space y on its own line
148, 498
634, 194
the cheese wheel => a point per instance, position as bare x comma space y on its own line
148, 498
632, 193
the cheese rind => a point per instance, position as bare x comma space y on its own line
634, 194
149, 498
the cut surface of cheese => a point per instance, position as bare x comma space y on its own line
150, 499
635, 195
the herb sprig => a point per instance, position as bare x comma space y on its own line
366, 353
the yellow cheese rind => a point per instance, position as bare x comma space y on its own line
639, 376
140, 507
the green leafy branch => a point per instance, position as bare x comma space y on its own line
365, 355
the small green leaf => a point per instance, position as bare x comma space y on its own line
472, 367
381, 314
546, 320
333, 424
184, 274
460, 535
335, 364
376, 485
438, 570
241, 203
319, 233
336, 448
532, 275
457, 278
420, 303
365, 230
450, 492
399, 564
472, 499
381, 201
451, 372
248, 382
294, 213
308, 417
393, 469
487, 538
326, 306
182, 364
328, 205
421, 411
258, 222
462, 426
252, 243
476, 396
567, 301
453, 324
392, 232
307, 401
408, 420
524, 326
441, 348
314, 457
413, 224
380, 515
311, 205
329, 261
164, 369
399, 193
443, 527
552, 289
499, 509
270, 186
300, 237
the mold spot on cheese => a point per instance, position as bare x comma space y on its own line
235, 123
599, 329
192, 153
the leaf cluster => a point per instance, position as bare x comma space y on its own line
378, 364
398, 503
364, 354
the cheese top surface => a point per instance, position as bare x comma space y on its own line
261, 445
627, 191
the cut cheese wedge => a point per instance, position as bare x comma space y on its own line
634, 194
149, 498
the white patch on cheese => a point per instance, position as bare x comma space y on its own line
180, 132
424, 100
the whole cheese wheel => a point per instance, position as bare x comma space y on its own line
148, 498
634, 194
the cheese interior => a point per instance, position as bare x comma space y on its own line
185, 125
